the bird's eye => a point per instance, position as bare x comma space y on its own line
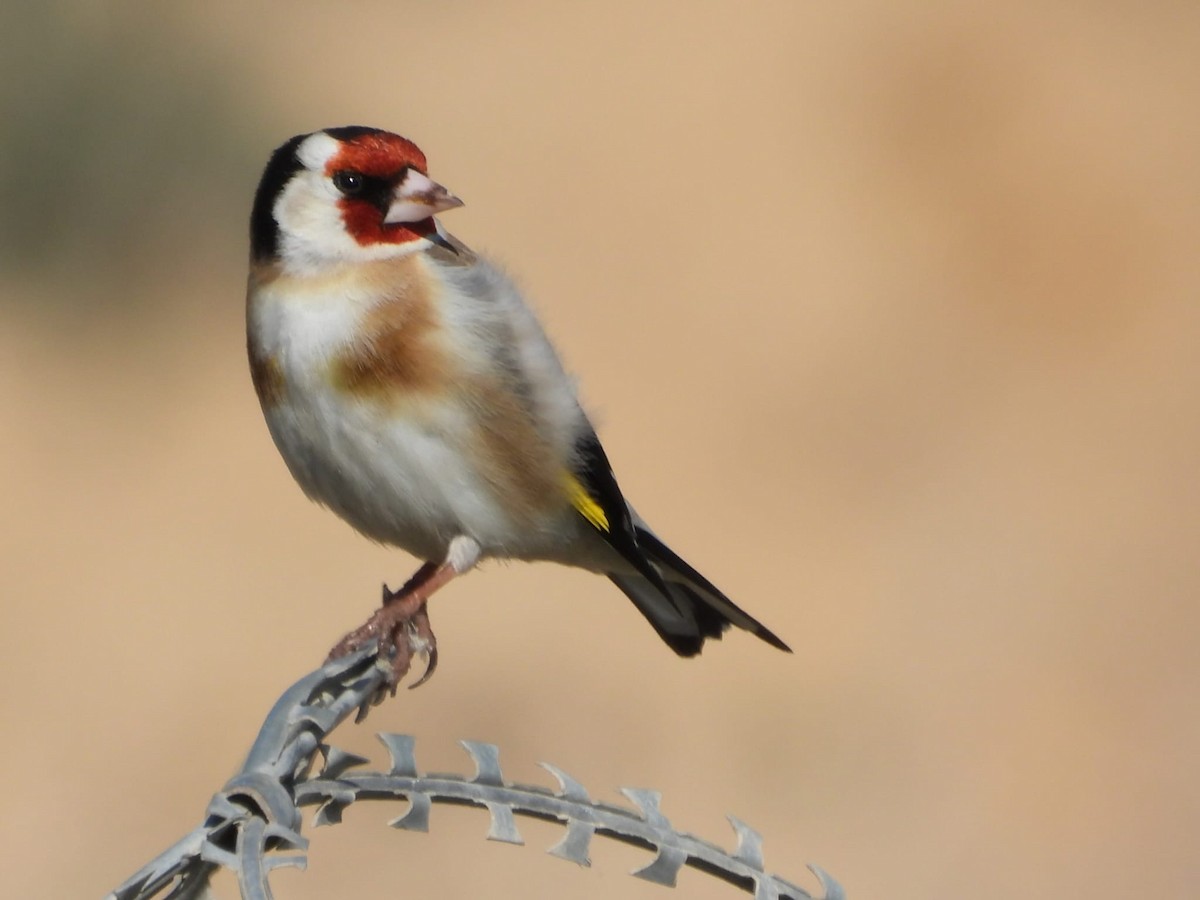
349, 182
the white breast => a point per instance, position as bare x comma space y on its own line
398, 472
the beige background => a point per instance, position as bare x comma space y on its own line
889, 320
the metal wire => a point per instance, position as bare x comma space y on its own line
252, 825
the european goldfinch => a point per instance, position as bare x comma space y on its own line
411, 390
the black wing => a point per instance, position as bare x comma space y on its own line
596, 476
686, 611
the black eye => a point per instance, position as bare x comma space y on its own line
349, 182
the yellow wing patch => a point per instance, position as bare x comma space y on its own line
583, 502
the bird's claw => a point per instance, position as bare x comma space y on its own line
402, 633
421, 639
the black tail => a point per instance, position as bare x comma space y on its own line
692, 610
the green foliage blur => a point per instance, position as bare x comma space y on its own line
113, 147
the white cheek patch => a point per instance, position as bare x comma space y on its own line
310, 220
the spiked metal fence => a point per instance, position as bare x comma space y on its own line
252, 825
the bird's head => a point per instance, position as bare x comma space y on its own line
344, 195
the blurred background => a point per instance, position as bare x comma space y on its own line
888, 318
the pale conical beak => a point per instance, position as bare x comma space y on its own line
418, 197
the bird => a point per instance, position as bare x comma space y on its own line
410, 389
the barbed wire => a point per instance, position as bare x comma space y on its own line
252, 825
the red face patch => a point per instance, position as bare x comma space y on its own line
380, 154
364, 223
385, 156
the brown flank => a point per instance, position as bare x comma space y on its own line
268, 379
510, 454
398, 351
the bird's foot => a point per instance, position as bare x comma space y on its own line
401, 627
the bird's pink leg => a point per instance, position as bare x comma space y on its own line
401, 624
